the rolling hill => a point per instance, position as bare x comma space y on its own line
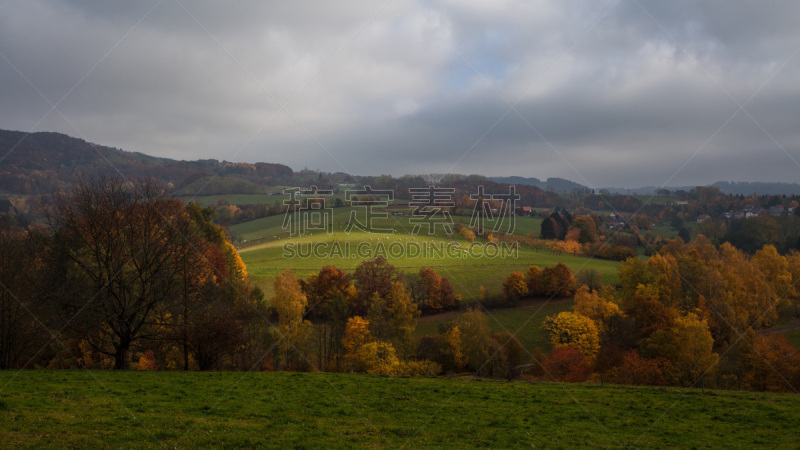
43, 163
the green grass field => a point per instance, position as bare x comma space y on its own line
58, 409
666, 232
265, 256
525, 321
787, 317
235, 199
267, 227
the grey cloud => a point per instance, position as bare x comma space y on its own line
609, 93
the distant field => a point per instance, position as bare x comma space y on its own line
246, 199
265, 258
655, 199
793, 336
666, 232
235, 199
524, 321
273, 225
68, 409
787, 317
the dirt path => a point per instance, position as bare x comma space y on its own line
775, 330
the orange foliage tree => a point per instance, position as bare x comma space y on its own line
638, 371
567, 364
321, 287
148, 361
467, 234
434, 292
372, 276
356, 334
515, 287
534, 281
769, 363
559, 281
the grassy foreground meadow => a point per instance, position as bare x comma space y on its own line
167, 409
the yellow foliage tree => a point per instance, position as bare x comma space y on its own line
515, 286
476, 339
688, 344
356, 334
237, 271
568, 329
453, 339
793, 266
290, 304
590, 304
403, 314
749, 295
570, 247
705, 249
377, 357
632, 273
483, 293
666, 279
775, 269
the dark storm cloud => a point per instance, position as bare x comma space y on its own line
603, 93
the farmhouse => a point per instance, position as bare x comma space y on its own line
776, 210
615, 221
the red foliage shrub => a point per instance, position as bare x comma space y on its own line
566, 364
639, 371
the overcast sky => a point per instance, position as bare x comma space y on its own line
608, 94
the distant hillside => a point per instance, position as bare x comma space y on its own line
42, 163
746, 188
552, 184
726, 187
646, 190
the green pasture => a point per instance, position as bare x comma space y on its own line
235, 199
111, 409
271, 250
268, 228
666, 232
524, 321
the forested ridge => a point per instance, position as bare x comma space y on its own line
46, 162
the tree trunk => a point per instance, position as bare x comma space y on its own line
121, 356
185, 354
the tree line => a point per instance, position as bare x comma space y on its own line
118, 275
692, 315
116, 268
117, 271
